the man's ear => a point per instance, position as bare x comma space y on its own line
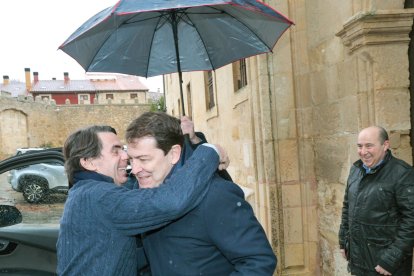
87, 164
386, 145
175, 154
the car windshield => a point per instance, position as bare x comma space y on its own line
37, 188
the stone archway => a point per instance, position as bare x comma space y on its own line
13, 131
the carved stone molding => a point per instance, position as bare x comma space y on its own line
376, 28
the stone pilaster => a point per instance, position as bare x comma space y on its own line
377, 44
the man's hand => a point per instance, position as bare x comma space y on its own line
343, 253
224, 158
381, 271
187, 126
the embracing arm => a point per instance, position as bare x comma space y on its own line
139, 210
236, 232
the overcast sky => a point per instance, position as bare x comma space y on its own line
32, 30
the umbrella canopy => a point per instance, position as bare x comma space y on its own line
154, 37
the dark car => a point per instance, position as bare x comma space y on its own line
26, 249
27, 238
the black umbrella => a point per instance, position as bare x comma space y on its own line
154, 37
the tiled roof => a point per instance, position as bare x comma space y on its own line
56, 86
118, 83
15, 88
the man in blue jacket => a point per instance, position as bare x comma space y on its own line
221, 236
101, 218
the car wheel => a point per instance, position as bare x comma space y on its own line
34, 188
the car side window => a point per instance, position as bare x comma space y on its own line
37, 184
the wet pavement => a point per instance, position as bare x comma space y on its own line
47, 211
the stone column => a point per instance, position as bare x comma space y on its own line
284, 164
376, 43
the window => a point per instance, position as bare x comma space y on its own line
84, 99
109, 96
133, 95
45, 97
239, 74
51, 197
208, 78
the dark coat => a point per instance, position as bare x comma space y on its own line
377, 226
221, 236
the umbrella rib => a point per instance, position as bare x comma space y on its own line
244, 24
219, 11
134, 20
97, 52
123, 23
202, 40
150, 49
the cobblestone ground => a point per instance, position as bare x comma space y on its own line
48, 211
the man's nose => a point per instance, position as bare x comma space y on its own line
136, 168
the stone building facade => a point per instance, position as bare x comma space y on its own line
291, 130
28, 123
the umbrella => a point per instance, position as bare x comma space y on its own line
154, 37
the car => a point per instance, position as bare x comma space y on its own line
26, 249
36, 181
27, 236
26, 150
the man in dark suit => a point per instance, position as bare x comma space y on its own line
219, 237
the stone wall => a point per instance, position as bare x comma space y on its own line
28, 123
116, 115
25, 123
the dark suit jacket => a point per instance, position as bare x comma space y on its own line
219, 237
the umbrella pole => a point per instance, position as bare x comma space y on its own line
180, 77
174, 23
